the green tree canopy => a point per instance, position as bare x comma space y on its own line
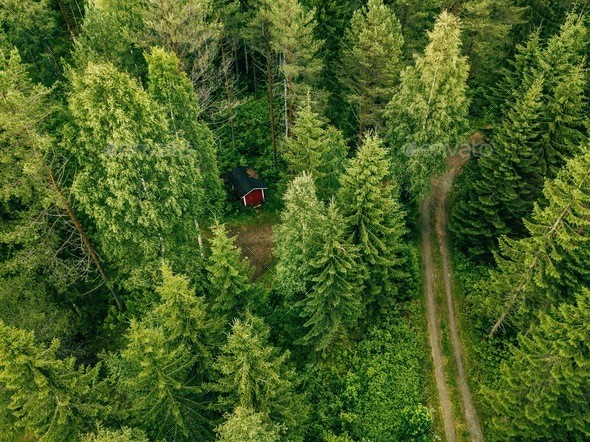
371, 56
428, 115
542, 391
375, 220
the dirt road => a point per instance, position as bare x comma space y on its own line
439, 197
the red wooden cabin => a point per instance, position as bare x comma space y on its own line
248, 186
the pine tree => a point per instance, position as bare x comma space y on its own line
255, 376
542, 392
292, 36
173, 90
153, 373
297, 237
375, 219
549, 266
246, 425
42, 395
333, 305
371, 57
228, 274
317, 149
506, 184
428, 115
137, 183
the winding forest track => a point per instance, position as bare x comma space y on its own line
439, 196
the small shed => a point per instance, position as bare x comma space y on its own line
248, 186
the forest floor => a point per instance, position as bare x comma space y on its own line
255, 241
434, 213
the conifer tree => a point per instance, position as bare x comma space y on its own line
190, 30
542, 392
184, 316
292, 36
42, 395
124, 434
549, 266
333, 305
255, 376
317, 149
500, 190
173, 90
245, 425
428, 115
154, 374
369, 200
507, 182
139, 184
371, 56
297, 237
228, 274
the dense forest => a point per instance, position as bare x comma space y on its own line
141, 300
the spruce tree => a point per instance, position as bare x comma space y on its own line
371, 57
138, 183
333, 305
245, 425
369, 200
297, 237
292, 36
542, 392
503, 187
255, 376
124, 434
428, 115
228, 274
550, 265
154, 374
185, 317
42, 395
174, 91
317, 149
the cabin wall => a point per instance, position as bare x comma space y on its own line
254, 198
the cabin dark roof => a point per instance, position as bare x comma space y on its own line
245, 180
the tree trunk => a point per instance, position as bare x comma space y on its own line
270, 87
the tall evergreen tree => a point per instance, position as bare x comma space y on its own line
375, 219
490, 33
292, 32
428, 116
317, 149
173, 90
153, 373
333, 305
42, 395
371, 56
246, 425
549, 266
190, 30
228, 274
542, 392
185, 317
298, 236
139, 184
505, 184
255, 376
124, 434
503, 187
